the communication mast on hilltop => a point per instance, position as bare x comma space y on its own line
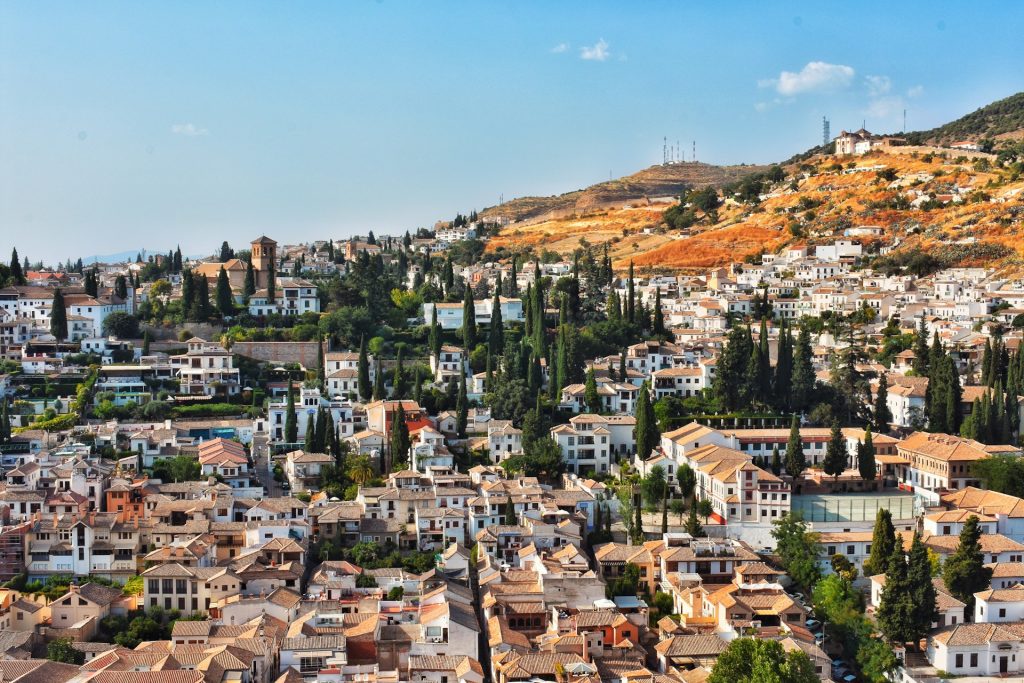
664, 151
826, 136
695, 151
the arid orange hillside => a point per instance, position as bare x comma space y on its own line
964, 210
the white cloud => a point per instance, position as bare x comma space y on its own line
560, 48
188, 130
598, 52
915, 91
815, 76
889, 107
878, 85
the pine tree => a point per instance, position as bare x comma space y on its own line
965, 572
835, 453
225, 299
796, 462
883, 544
59, 317
882, 417
468, 321
291, 426
866, 457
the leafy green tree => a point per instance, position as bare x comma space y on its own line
875, 659
686, 479
965, 573
883, 544
762, 661
653, 486
59, 317
677, 506
121, 325
177, 469
693, 525
797, 549
62, 650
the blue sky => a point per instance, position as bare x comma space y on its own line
130, 125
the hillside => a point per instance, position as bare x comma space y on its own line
957, 210
1001, 120
656, 181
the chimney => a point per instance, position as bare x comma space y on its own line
92, 518
586, 647
73, 587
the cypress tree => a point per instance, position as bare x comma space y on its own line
363, 371
310, 437
638, 524
435, 334
320, 436
776, 461
510, 512
59, 317
783, 383
895, 614
5, 421
796, 463
835, 453
271, 283
291, 426
631, 297
461, 408
399, 441
921, 350
590, 392
965, 573
225, 299
249, 286
764, 367
145, 343
379, 393
468, 321
398, 381
882, 416
866, 457
623, 369
17, 274
693, 525
986, 364
496, 337
659, 315
883, 544
922, 590
121, 287
647, 435
803, 372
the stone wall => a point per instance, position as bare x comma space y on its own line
303, 353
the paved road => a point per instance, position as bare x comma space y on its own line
261, 450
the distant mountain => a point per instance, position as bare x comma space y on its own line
119, 257
657, 181
1001, 120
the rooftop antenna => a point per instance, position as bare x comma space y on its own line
825, 132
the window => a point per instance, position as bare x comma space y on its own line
974, 659
959, 661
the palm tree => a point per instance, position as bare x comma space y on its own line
360, 470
